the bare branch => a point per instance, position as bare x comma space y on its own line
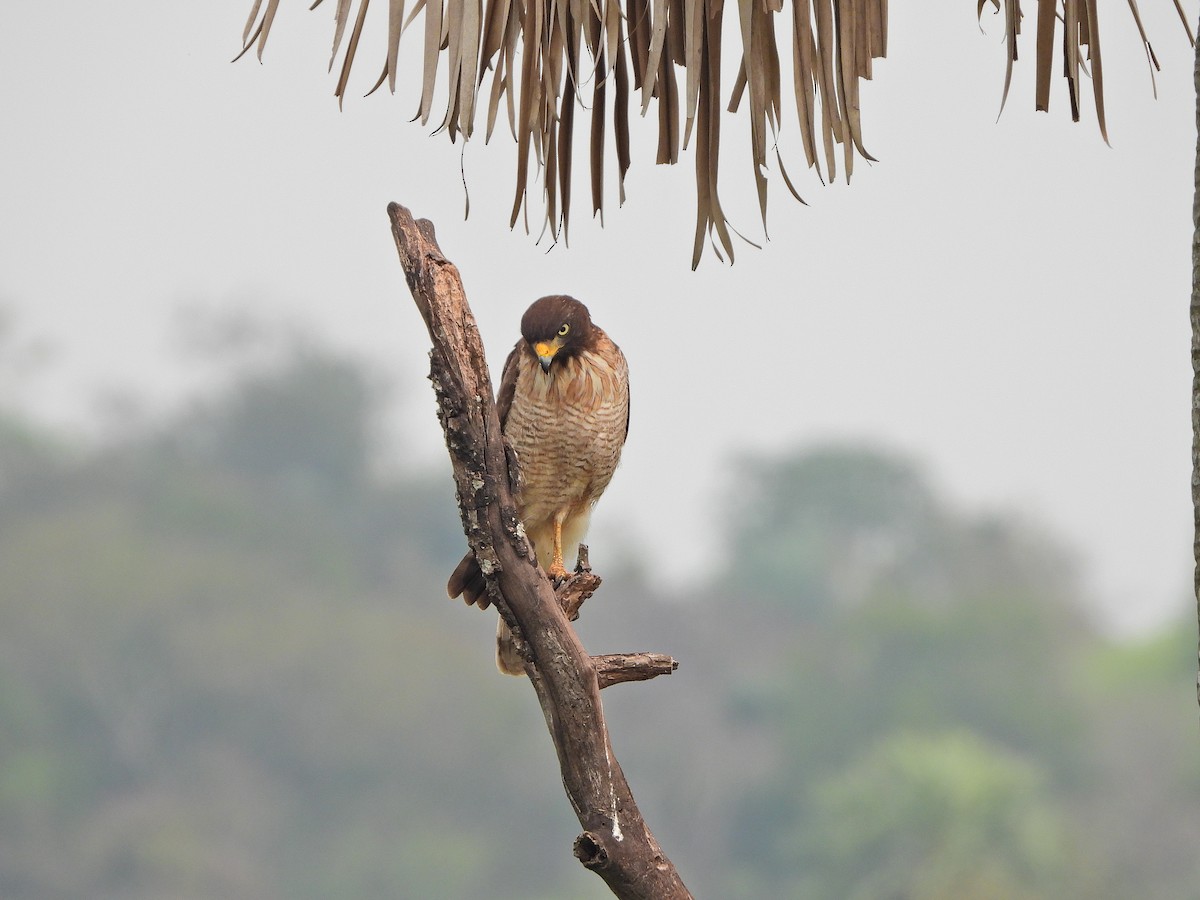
1195, 320
614, 668
579, 587
619, 847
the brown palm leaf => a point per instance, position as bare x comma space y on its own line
546, 57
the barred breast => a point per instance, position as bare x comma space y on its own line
568, 430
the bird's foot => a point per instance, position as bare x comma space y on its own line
556, 572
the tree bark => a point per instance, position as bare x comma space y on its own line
1195, 317
616, 844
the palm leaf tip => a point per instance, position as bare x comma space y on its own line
541, 53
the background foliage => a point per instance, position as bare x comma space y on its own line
227, 669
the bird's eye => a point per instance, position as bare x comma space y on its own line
562, 332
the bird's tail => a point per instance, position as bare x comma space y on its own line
508, 660
467, 581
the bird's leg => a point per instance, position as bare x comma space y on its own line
557, 571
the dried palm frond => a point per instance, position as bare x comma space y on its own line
1081, 29
546, 56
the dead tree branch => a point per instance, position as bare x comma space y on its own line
1195, 320
614, 668
616, 844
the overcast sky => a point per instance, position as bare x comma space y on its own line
1004, 301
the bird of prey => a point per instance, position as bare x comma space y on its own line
564, 409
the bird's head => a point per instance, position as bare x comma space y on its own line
556, 328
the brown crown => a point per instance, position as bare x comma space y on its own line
545, 317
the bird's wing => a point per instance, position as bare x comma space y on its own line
625, 436
508, 385
616, 359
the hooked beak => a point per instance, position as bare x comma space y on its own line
545, 351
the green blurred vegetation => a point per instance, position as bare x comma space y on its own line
227, 669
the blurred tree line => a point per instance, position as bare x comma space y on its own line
228, 669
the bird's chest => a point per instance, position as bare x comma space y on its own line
567, 428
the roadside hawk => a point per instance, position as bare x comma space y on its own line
564, 409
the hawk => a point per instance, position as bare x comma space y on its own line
564, 409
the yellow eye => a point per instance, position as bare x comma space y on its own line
562, 332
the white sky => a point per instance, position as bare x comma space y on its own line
1006, 302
